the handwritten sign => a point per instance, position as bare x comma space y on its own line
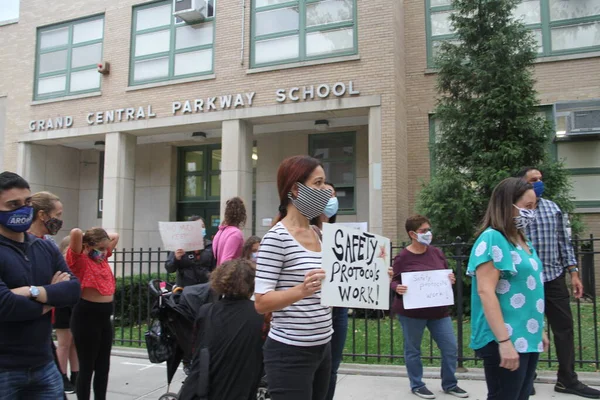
427, 289
356, 265
181, 235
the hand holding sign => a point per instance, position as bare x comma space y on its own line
312, 281
186, 236
426, 289
357, 267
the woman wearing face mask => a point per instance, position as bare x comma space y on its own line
228, 242
47, 221
297, 352
192, 267
507, 299
91, 325
250, 249
421, 256
339, 314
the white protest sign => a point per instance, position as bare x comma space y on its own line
181, 235
356, 265
427, 289
363, 226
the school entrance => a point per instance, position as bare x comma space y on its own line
199, 184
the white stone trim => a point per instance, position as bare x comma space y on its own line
587, 211
9, 22
258, 70
66, 98
317, 106
169, 83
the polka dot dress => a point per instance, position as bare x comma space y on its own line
520, 292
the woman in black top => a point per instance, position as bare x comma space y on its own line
192, 267
227, 364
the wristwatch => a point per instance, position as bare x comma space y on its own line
573, 269
34, 292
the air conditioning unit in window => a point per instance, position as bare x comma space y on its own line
190, 11
584, 122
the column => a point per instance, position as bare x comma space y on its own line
375, 192
119, 186
236, 167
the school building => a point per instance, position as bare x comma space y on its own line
135, 112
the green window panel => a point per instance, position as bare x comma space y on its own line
67, 57
286, 31
561, 27
165, 48
337, 153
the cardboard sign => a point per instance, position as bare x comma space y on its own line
427, 289
181, 235
362, 226
356, 264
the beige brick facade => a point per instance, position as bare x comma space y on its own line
391, 63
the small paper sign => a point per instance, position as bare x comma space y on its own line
181, 235
356, 265
427, 289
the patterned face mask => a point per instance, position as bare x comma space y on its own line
525, 218
310, 202
97, 255
53, 225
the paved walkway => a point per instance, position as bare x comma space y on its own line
134, 377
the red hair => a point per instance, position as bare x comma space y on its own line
292, 170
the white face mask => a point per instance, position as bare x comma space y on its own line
425, 238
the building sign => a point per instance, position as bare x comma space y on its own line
322, 91
51, 124
217, 103
213, 103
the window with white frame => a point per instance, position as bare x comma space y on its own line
165, 48
9, 11
286, 31
67, 58
559, 26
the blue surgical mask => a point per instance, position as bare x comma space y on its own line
203, 232
332, 207
18, 220
254, 256
538, 188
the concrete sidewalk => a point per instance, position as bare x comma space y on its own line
134, 377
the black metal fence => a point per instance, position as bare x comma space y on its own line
373, 336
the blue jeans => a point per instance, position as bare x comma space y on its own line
503, 384
443, 334
338, 341
41, 383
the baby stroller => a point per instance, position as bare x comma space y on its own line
174, 314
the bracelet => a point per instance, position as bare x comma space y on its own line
503, 341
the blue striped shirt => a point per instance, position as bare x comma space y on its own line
282, 264
551, 240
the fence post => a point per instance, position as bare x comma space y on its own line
459, 300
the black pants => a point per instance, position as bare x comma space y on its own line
560, 319
93, 334
297, 373
503, 384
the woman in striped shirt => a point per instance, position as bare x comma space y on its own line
297, 353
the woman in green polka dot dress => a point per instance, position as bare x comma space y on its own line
507, 299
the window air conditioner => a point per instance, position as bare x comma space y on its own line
190, 11
585, 121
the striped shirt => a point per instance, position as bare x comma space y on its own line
282, 264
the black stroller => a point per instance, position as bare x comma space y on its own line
175, 313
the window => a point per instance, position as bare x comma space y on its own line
67, 58
165, 48
9, 11
337, 153
285, 31
559, 26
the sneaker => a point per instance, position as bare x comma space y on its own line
424, 393
458, 392
578, 389
68, 386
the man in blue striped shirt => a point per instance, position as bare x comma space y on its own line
551, 240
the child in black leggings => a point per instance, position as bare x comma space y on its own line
90, 323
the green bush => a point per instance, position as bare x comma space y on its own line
133, 300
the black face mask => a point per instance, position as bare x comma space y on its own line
53, 225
